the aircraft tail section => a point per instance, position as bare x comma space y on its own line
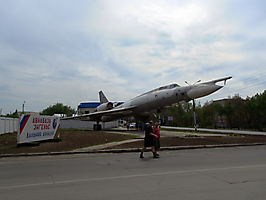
102, 97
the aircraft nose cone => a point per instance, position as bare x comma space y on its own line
202, 90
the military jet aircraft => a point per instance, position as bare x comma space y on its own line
142, 105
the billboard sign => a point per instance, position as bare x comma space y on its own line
34, 128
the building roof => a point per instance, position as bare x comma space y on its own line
93, 104
89, 105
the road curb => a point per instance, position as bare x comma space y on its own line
93, 151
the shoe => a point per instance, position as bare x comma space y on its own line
141, 156
155, 155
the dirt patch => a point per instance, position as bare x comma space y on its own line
71, 140
175, 141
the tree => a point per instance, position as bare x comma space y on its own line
219, 109
58, 108
256, 111
233, 112
239, 115
173, 111
209, 119
13, 115
229, 113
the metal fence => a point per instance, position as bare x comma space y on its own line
8, 125
65, 124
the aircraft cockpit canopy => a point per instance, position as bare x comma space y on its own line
169, 86
174, 85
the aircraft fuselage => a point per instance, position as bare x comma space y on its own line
152, 100
161, 98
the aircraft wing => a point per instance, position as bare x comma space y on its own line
112, 112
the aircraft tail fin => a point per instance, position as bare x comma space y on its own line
102, 97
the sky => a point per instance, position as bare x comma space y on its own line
65, 51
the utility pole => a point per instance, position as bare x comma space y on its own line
23, 106
194, 115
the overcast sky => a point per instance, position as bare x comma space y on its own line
67, 51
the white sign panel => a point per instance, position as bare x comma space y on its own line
37, 127
170, 118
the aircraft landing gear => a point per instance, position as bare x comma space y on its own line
97, 127
161, 117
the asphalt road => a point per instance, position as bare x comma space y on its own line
229, 173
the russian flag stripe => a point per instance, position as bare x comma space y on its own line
24, 122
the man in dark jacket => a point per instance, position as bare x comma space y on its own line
148, 141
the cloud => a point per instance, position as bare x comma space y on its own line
67, 51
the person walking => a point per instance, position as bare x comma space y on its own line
149, 141
157, 143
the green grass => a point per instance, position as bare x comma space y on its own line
8, 147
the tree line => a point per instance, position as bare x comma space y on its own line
57, 108
233, 113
